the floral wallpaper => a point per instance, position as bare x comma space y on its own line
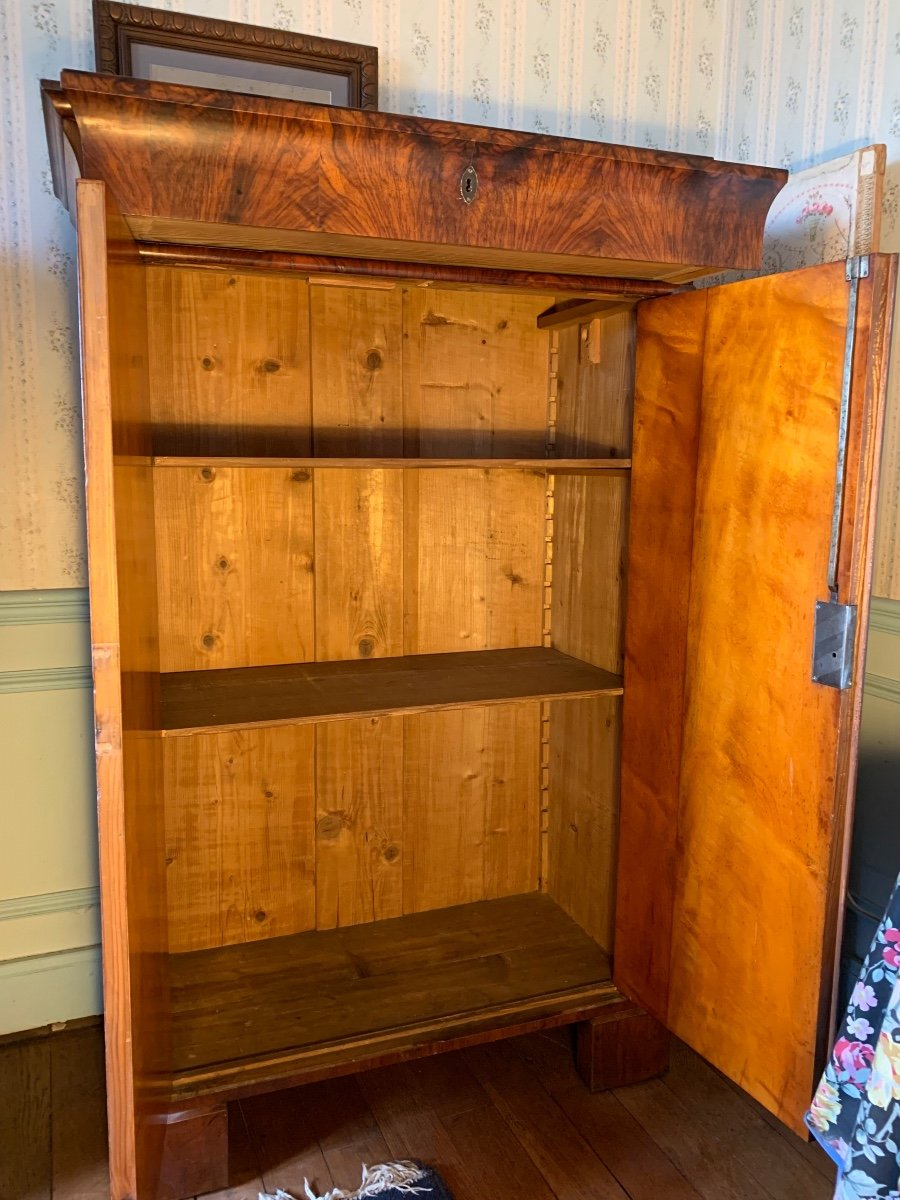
788, 82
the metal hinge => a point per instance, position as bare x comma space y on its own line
833, 645
835, 629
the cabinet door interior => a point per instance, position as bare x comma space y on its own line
737, 768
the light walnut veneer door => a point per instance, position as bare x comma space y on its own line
738, 769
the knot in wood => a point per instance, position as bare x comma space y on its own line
329, 826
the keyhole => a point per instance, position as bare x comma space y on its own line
468, 184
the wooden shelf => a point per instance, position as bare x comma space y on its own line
294, 693
257, 1014
554, 466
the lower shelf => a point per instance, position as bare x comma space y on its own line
255, 1015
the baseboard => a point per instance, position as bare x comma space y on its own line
45, 989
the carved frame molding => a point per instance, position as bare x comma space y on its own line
117, 26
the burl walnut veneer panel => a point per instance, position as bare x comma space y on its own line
211, 167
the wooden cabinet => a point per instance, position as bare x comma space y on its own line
454, 575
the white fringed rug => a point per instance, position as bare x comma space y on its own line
387, 1181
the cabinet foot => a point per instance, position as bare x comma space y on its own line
622, 1046
195, 1153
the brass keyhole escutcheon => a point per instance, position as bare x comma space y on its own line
468, 184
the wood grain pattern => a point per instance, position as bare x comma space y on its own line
79, 1134
356, 347
475, 373
240, 852
236, 565
359, 821
274, 164
194, 701
542, 466
318, 1002
359, 551
552, 1143
472, 811
25, 1143
760, 795
620, 1047
229, 362
126, 665
335, 267
435, 1108
195, 1155
584, 811
474, 560
669, 364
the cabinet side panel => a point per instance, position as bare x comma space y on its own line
236, 564
595, 386
240, 843
229, 362
668, 382
359, 821
357, 370
584, 811
126, 664
472, 812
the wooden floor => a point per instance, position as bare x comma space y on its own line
510, 1121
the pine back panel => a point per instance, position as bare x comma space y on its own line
375, 818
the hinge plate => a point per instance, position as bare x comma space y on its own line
833, 644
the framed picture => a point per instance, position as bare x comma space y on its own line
153, 43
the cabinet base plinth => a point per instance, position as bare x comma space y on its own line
624, 1045
195, 1153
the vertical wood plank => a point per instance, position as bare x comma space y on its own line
25, 1165
359, 563
359, 821
584, 811
80, 1164
240, 835
475, 571
475, 373
229, 362
472, 811
357, 370
236, 566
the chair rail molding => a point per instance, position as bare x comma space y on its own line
44, 605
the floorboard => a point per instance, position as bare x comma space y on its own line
25, 1112
505, 1121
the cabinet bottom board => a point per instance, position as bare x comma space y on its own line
257, 1015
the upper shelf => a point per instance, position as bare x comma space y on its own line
554, 466
196, 166
297, 693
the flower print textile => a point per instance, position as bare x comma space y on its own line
855, 1113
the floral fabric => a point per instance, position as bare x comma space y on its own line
855, 1112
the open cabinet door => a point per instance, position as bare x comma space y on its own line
121, 555
737, 767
